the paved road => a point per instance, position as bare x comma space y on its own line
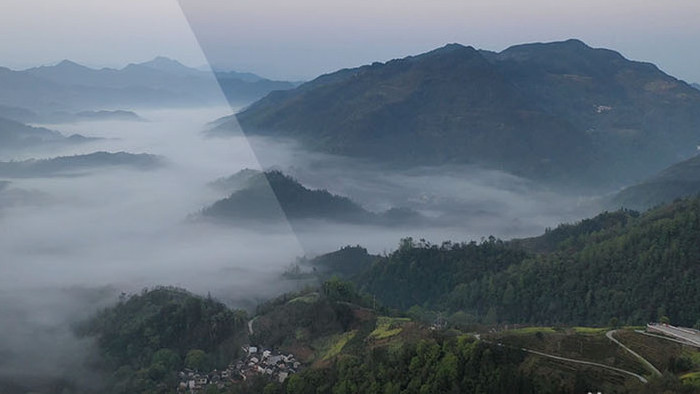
686, 334
640, 377
644, 361
666, 338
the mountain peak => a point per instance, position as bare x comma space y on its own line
162, 63
574, 42
452, 48
69, 65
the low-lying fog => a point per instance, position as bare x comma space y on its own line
118, 230
460, 202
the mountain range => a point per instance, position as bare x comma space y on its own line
559, 111
161, 82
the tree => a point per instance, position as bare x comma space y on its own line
196, 360
614, 322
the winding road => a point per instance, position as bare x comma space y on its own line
591, 363
649, 366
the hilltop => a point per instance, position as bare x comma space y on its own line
274, 196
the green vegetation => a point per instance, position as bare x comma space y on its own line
618, 267
531, 330
428, 365
692, 378
388, 327
147, 338
604, 270
571, 344
335, 344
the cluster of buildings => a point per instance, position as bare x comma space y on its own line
256, 362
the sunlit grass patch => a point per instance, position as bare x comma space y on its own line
388, 327
532, 330
333, 345
309, 298
692, 378
590, 330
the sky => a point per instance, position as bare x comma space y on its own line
304, 38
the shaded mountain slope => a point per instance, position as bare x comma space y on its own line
559, 111
449, 105
677, 181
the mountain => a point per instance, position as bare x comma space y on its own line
678, 181
161, 82
16, 136
77, 165
695, 85
272, 196
171, 66
558, 111
240, 180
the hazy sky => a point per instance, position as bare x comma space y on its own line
303, 38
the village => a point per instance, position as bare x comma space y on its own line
256, 362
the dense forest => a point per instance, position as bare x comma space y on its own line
622, 265
146, 338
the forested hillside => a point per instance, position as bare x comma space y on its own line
147, 338
621, 265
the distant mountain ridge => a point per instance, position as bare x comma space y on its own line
16, 136
161, 82
553, 111
77, 164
